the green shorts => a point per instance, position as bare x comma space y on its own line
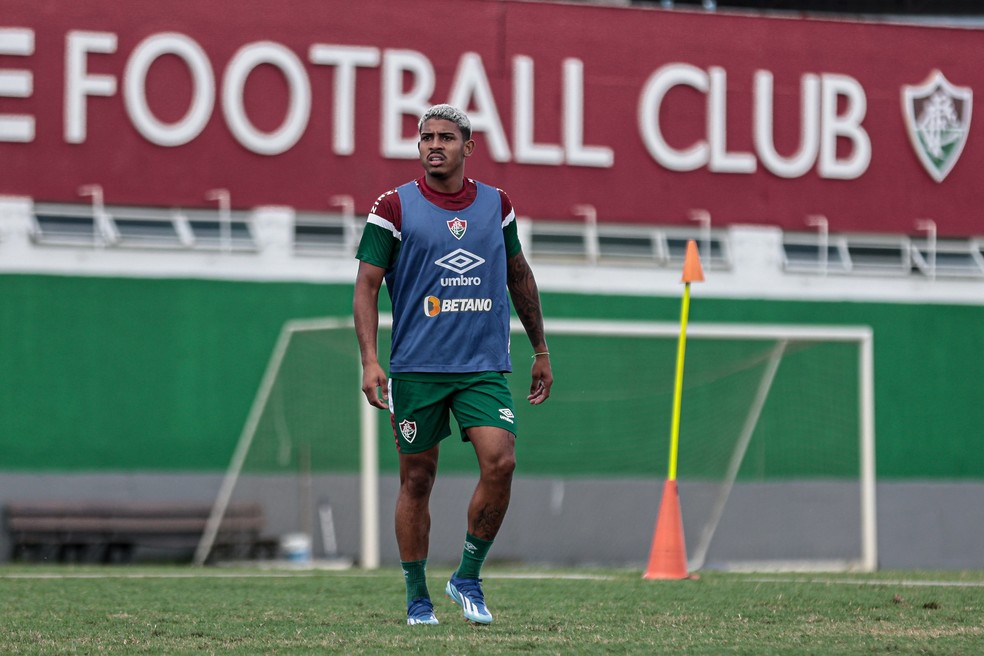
421, 404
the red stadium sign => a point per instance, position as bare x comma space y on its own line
642, 113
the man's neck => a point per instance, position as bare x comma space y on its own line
445, 185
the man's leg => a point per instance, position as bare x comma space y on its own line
495, 448
417, 474
496, 451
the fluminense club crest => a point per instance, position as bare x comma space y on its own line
408, 429
937, 117
457, 227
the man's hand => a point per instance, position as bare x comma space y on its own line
542, 380
374, 382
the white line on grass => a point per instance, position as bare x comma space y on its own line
565, 577
268, 573
151, 575
898, 582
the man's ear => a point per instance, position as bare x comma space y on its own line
469, 147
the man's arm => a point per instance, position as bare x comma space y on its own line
526, 299
365, 310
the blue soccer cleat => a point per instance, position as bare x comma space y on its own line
467, 593
421, 611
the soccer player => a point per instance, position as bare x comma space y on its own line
448, 250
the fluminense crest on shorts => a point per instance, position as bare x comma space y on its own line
937, 117
408, 429
457, 227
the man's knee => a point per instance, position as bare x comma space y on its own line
418, 481
496, 450
500, 466
417, 474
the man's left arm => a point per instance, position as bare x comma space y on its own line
526, 299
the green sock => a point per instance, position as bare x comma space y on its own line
472, 557
415, 575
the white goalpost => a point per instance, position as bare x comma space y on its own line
727, 447
780, 336
368, 431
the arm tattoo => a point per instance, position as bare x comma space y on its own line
525, 298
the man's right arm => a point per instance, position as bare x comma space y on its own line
377, 251
365, 310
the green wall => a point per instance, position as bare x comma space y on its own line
116, 374
137, 374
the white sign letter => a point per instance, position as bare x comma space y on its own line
577, 153
802, 160
345, 59
16, 84
398, 103
526, 150
299, 88
656, 87
471, 89
847, 126
135, 89
79, 84
717, 129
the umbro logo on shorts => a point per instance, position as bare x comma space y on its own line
506, 415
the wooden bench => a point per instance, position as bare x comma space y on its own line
108, 532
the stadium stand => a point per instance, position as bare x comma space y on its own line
896, 7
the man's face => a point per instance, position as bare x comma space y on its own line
442, 148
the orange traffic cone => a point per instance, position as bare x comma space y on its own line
668, 557
692, 269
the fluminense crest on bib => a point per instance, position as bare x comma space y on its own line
457, 227
408, 429
937, 118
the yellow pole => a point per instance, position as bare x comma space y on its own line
692, 272
678, 384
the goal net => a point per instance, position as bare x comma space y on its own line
776, 452
307, 446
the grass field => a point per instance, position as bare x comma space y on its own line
177, 610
